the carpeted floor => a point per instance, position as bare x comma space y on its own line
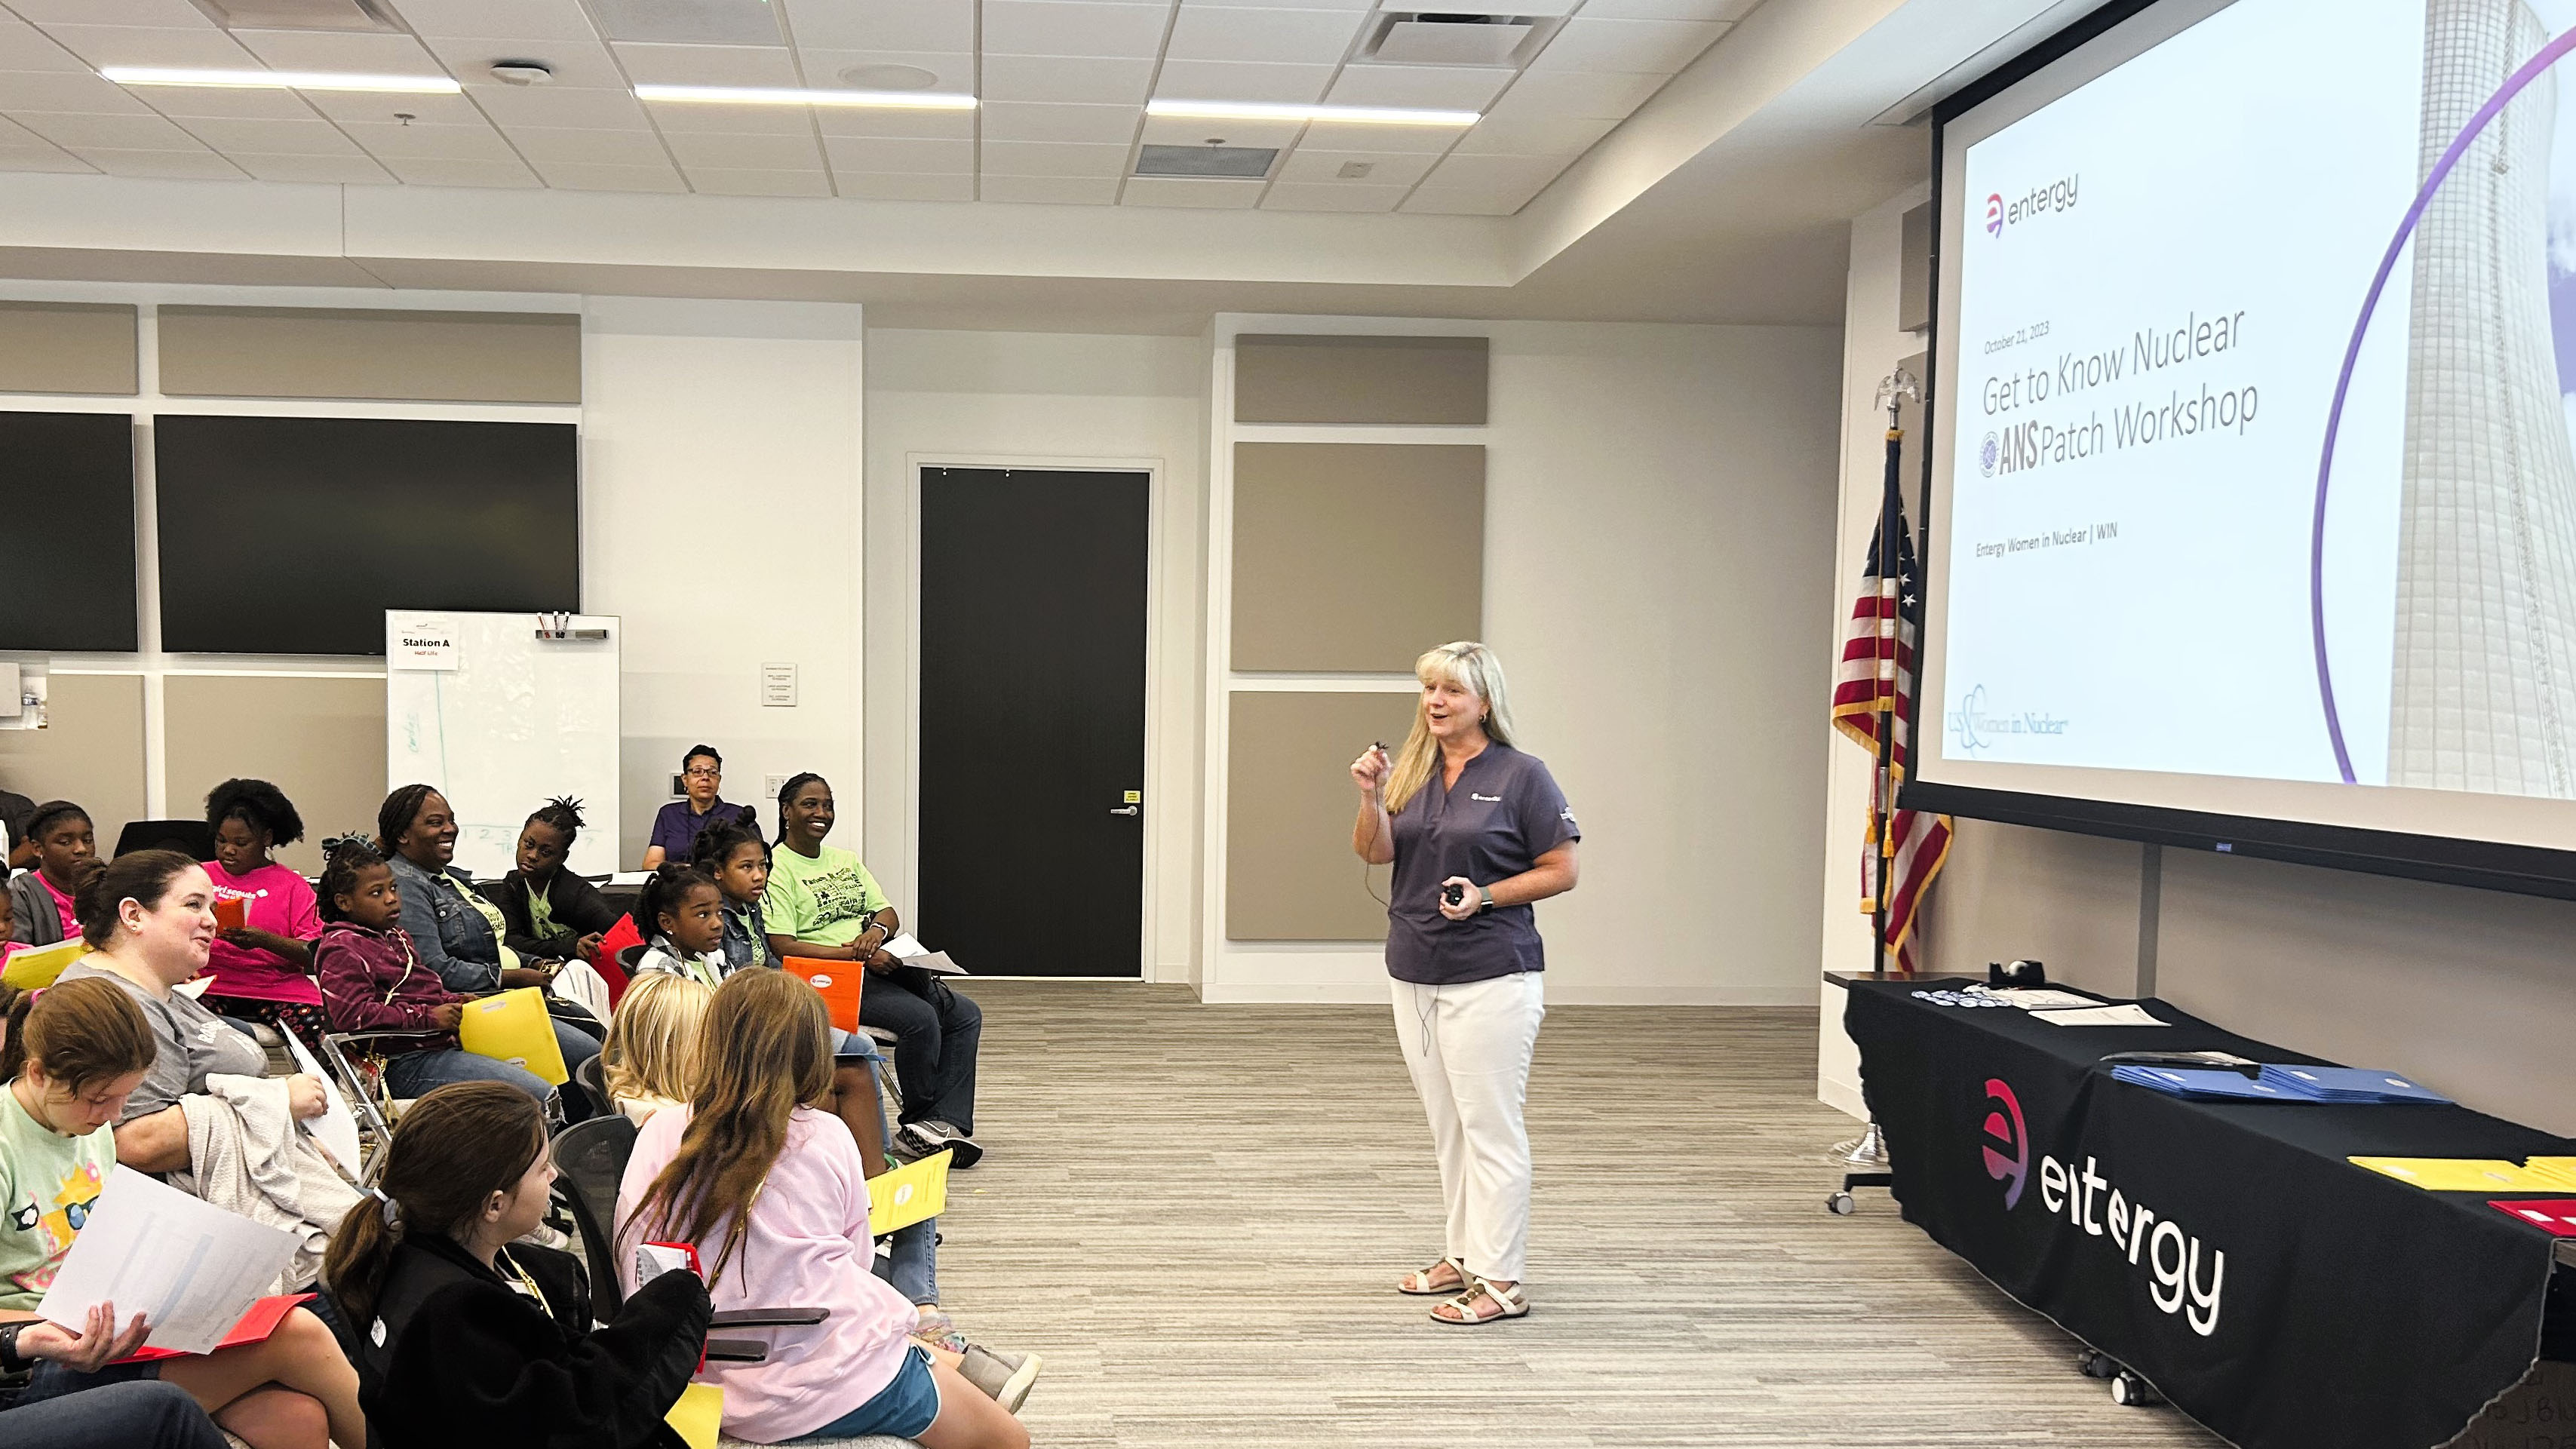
1197, 1214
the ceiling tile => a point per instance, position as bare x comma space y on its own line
273, 138
424, 142
904, 188
578, 176
883, 24
542, 145
863, 154
1435, 87
1313, 37
243, 102
708, 65
1670, 9
955, 68
895, 125
1527, 132
1018, 121
1307, 163
42, 158
1485, 7
1235, 80
577, 64
745, 153
119, 133
1450, 201
755, 181
1050, 78
1052, 158
352, 169
324, 50
1497, 173
1073, 27
674, 118
1188, 131
1586, 94
47, 90
1190, 191
521, 19
1651, 47
177, 14
1187, 5
24, 47
197, 165
1332, 196
366, 106
1410, 140
427, 171
1059, 190
557, 106
201, 45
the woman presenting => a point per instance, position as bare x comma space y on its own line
1476, 831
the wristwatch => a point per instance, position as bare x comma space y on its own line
1484, 900
10, 1361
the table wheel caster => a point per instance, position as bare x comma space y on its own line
1840, 1204
2093, 1363
2130, 1391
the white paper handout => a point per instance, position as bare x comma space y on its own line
2128, 1014
336, 1130
913, 953
191, 1268
2041, 998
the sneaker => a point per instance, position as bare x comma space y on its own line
929, 1136
1006, 1376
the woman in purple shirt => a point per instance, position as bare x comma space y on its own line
676, 827
1476, 831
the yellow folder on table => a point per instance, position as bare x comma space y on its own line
36, 967
2561, 1171
2458, 1174
908, 1194
513, 1027
698, 1418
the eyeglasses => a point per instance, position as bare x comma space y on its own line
703, 774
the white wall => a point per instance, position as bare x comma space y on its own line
1017, 397
721, 522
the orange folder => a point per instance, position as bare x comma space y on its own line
232, 913
840, 982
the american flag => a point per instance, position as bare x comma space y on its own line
1875, 681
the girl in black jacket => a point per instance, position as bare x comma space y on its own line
552, 912
468, 1336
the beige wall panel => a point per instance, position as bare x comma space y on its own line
1353, 558
1429, 380
90, 753
321, 740
67, 347
1289, 871
529, 357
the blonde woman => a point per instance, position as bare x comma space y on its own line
1476, 831
651, 1058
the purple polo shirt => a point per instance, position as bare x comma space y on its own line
676, 830
1502, 815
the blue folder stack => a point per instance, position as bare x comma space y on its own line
2348, 1084
2204, 1083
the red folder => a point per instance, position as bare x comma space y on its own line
2555, 1215
255, 1327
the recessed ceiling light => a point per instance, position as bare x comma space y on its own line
888, 78
1354, 115
792, 96
291, 80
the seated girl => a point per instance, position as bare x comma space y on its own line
469, 1335
41, 900
373, 980
548, 912
681, 911
149, 919
264, 966
72, 1055
738, 860
774, 1196
650, 1060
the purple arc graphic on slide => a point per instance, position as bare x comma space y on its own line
2514, 85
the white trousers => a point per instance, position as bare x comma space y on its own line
1468, 1048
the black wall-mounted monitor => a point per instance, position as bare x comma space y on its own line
294, 535
67, 532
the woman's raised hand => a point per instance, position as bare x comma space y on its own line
1370, 770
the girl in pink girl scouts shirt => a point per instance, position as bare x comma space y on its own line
262, 959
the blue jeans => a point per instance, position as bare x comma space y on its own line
911, 1265
136, 1414
414, 1074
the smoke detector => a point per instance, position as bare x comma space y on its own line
522, 72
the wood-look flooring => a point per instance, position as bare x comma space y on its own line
1198, 1212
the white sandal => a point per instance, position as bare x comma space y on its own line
1513, 1303
1418, 1282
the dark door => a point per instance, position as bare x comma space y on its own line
1033, 720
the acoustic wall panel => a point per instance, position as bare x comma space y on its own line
90, 753
319, 738
1317, 379
67, 347
1353, 558
1290, 874
315, 352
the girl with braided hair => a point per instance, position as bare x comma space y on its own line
550, 912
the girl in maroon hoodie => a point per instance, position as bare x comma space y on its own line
372, 980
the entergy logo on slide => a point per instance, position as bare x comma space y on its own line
1995, 213
2039, 201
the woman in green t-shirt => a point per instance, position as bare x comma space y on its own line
822, 904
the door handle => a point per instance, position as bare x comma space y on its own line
1123, 810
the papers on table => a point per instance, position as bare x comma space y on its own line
336, 1130
2040, 998
2348, 1084
2126, 1014
191, 1268
2561, 1168
913, 953
2459, 1174
2202, 1083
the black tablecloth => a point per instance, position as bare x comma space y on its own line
2278, 1294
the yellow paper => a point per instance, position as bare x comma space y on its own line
37, 966
698, 1418
2561, 1171
2457, 1174
908, 1194
513, 1027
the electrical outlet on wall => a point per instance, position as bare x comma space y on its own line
770, 785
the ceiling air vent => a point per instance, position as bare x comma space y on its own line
1236, 163
361, 15
1405, 38
689, 22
